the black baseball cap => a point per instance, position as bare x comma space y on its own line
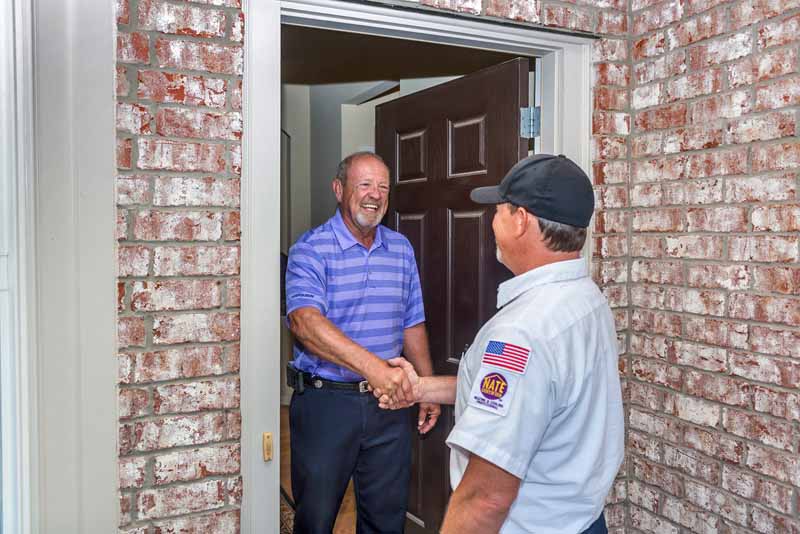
551, 187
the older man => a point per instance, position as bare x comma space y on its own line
538, 437
354, 301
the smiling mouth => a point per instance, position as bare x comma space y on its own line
373, 208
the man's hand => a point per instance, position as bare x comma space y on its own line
388, 380
428, 415
428, 412
394, 402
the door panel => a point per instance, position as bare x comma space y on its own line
466, 147
439, 144
411, 148
412, 225
466, 235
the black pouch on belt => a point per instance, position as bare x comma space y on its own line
294, 379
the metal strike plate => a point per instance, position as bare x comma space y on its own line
266, 445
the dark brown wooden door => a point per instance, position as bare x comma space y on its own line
439, 144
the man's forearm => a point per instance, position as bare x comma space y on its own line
438, 389
325, 340
482, 499
470, 514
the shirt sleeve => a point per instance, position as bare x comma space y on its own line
415, 308
507, 434
306, 283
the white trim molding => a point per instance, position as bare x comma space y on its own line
18, 367
67, 193
260, 272
566, 129
425, 26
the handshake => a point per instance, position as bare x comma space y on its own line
397, 385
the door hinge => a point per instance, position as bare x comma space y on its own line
530, 122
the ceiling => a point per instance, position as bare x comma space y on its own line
315, 56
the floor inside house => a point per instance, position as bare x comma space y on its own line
346, 520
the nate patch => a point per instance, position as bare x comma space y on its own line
493, 391
494, 386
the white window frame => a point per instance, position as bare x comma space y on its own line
64, 273
566, 104
19, 428
14, 429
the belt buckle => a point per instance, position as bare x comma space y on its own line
363, 386
317, 383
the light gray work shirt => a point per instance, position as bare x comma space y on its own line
539, 396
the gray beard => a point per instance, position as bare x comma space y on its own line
365, 223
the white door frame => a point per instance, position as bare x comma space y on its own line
65, 368
566, 104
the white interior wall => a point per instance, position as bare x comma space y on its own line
358, 125
326, 126
295, 121
412, 85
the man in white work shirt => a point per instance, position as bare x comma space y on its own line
539, 435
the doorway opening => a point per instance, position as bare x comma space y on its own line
564, 69
333, 85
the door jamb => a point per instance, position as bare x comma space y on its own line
567, 104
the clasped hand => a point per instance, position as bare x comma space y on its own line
407, 391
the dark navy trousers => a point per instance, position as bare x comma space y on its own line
598, 527
339, 434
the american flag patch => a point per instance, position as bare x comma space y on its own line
507, 356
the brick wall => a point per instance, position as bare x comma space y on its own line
696, 162
179, 125
714, 278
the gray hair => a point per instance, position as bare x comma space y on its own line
559, 237
344, 165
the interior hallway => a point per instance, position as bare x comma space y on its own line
346, 520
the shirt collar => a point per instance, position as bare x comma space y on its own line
559, 271
345, 237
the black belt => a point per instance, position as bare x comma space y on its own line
299, 380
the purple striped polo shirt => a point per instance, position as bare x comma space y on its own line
370, 295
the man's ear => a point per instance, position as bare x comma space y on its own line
523, 218
338, 189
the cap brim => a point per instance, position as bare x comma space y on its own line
486, 195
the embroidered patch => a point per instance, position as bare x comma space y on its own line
492, 391
494, 386
507, 356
